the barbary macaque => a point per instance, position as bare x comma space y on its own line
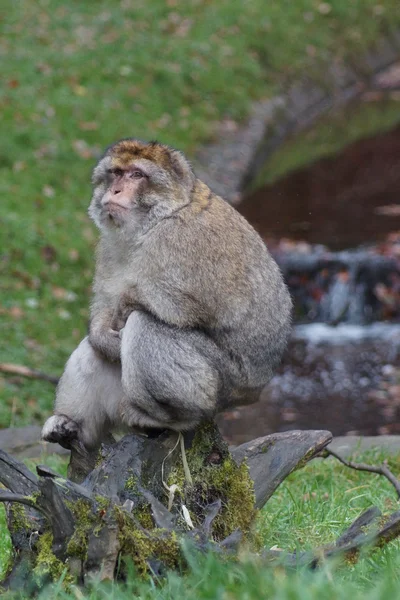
190, 314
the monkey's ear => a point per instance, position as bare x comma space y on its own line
182, 169
100, 170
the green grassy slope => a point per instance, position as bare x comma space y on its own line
331, 134
77, 76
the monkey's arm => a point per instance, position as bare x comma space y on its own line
194, 280
102, 336
127, 304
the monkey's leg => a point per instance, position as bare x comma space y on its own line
88, 398
169, 375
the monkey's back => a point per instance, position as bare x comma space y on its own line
217, 269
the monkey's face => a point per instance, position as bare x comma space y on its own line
121, 201
134, 179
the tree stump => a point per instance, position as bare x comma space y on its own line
139, 499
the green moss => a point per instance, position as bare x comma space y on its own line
238, 510
88, 520
143, 515
310, 455
18, 518
141, 545
102, 504
267, 446
216, 476
47, 564
78, 544
99, 459
33, 497
131, 484
82, 511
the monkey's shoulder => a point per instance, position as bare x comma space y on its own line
210, 220
210, 247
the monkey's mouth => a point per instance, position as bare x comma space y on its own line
114, 206
114, 213
113, 210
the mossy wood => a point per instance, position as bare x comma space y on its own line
133, 502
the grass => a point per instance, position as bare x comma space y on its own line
330, 135
312, 507
78, 77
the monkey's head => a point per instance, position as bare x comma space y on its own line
135, 178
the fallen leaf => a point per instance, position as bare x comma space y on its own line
79, 90
73, 254
63, 294
32, 344
32, 302
48, 253
16, 312
88, 125
324, 8
48, 191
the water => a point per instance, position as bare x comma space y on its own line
341, 201
338, 378
353, 286
332, 228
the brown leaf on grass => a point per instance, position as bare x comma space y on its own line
32, 344
88, 234
83, 149
88, 125
48, 253
73, 254
16, 312
44, 68
48, 191
19, 165
79, 90
63, 294
324, 8
30, 282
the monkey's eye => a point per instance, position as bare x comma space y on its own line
116, 172
137, 174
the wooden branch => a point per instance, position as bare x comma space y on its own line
348, 546
62, 522
379, 470
15, 476
23, 371
118, 510
359, 526
10, 497
273, 457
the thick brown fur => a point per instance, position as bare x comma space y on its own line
190, 314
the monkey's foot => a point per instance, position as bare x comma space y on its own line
60, 429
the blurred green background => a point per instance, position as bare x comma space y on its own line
77, 76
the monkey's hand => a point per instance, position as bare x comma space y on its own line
105, 340
126, 305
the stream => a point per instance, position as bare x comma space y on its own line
341, 370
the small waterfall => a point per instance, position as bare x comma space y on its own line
352, 286
341, 370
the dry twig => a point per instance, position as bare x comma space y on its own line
27, 372
379, 470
